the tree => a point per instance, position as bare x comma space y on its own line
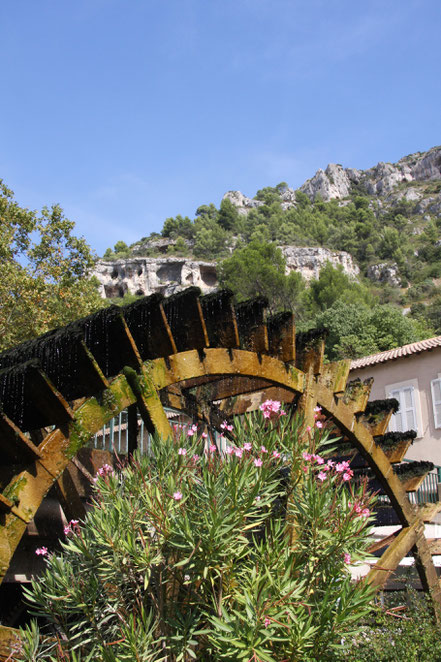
189, 554
357, 330
229, 217
44, 272
258, 269
333, 284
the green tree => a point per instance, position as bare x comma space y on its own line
333, 284
210, 239
258, 269
44, 272
229, 217
180, 226
356, 329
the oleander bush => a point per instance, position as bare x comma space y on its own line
192, 553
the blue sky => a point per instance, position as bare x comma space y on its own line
126, 112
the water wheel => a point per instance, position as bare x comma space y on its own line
202, 355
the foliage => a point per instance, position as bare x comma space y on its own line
190, 554
404, 631
258, 269
334, 285
44, 272
357, 330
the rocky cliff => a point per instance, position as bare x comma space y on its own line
414, 179
406, 179
146, 275
167, 275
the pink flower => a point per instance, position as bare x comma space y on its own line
263, 449
319, 424
190, 432
182, 451
276, 454
321, 476
66, 530
41, 551
347, 476
340, 467
212, 448
267, 622
365, 512
229, 450
305, 469
308, 428
247, 446
258, 498
195, 457
204, 435
317, 409
105, 470
177, 496
282, 412
319, 459
347, 557
330, 463
74, 522
225, 426
258, 462
269, 407
306, 456
238, 452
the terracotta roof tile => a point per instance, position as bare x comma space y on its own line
406, 350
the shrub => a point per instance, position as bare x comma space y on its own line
403, 631
189, 553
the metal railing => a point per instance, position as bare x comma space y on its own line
428, 491
114, 436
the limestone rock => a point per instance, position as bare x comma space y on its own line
167, 275
309, 260
146, 275
335, 182
384, 273
243, 204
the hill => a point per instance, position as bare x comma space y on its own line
382, 225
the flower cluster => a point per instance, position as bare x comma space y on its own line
192, 430
41, 551
71, 527
360, 509
271, 408
105, 470
339, 468
226, 426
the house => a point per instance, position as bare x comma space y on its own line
412, 375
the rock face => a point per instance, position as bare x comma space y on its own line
384, 273
243, 204
309, 261
146, 275
382, 180
336, 182
167, 275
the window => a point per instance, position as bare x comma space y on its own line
408, 415
436, 401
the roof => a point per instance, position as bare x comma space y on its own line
398, 352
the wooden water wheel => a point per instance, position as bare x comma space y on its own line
199, 354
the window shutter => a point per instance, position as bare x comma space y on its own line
436, 401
